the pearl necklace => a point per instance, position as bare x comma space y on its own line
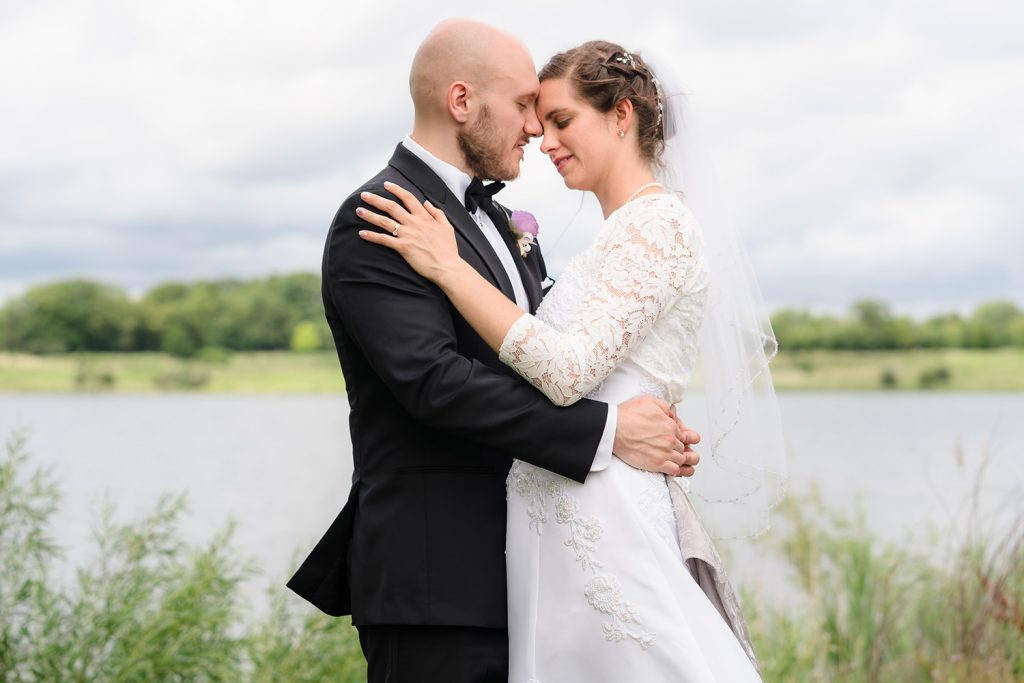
641, 189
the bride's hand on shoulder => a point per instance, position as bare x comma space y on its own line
419, 232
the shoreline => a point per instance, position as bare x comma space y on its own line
318, 373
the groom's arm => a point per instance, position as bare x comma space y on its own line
402, 324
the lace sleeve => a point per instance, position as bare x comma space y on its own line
646, 265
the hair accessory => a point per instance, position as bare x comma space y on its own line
624, 58
630, 60
657, 95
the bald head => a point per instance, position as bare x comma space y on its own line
474, 89
461, 50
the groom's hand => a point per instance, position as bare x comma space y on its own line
650, 437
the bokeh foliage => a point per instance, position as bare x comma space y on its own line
148, 607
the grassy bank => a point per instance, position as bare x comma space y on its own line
256, 373
941, 369
318, 372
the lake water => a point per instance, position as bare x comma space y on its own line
280, 465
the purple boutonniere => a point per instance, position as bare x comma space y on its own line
524, 226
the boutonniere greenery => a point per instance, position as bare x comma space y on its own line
524, 228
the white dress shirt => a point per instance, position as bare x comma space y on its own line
457, 181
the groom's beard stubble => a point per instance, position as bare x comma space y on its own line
481, 146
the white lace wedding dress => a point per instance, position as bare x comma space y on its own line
598, 590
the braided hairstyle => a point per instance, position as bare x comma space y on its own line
603, 74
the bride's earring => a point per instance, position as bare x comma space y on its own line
622, 133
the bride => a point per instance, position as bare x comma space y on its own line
617, 579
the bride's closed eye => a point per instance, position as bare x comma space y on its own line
561, 124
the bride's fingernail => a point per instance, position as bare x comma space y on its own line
364, 195
387, 184
360, 211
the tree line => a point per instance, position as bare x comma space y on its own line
871, 325
286, 312
183, 319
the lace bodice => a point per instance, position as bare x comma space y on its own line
637, 293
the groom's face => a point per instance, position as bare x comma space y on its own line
493, 144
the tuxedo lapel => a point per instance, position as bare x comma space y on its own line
420, 175
503, 222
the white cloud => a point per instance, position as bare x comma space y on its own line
872, 148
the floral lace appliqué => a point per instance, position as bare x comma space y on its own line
605, 595
638, 292
603, 592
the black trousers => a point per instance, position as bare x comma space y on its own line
434, 654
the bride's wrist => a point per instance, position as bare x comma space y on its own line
451, 274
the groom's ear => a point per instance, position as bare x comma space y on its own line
459, 93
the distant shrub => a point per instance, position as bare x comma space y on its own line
306, 337
180, 341
888, 380
90, 376
214, 354
185, 377
934, 378
804, 364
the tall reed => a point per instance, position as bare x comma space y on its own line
873, 611
148, 607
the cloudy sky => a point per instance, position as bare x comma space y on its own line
870, 149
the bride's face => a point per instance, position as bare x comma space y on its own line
580, 141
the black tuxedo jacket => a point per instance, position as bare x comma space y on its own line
435, 420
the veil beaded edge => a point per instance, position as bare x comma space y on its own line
742, 473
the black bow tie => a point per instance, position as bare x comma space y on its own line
480, 195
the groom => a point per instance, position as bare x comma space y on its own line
417, 554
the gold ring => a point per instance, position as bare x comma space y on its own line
394, 233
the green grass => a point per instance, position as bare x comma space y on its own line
255, 373
318, 372
968, 370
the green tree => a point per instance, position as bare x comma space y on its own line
73, 315
239, 315
874, 326
993, 324
274, 306
1017, 332
179, 338
942, 331
795, 329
